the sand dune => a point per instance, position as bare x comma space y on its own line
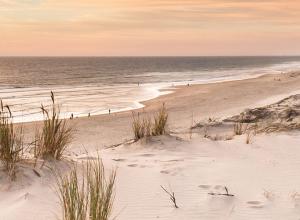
262, 176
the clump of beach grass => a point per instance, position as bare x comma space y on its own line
11, 142
56, 135
141, 126
73, 196
249, 137
145, 127
89, 196
238, 128
160, 121
101, 191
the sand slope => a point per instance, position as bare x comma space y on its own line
262, 175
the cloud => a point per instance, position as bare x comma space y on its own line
124, 21
168, 13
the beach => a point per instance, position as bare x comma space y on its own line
95, 85
149, 110
261, 175
190, 104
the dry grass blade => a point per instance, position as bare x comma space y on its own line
238, 128
101, 191
249, 137
146, 124
73, 196
56, 134
137, 127
89, 197
160, 122
11, 142
144, 127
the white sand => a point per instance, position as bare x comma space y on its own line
262, 175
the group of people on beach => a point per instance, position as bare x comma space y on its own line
89, 115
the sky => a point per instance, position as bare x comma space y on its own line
149, 27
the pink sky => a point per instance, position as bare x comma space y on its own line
149, 27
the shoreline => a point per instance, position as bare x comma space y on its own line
156, 91
164, 91
186, 106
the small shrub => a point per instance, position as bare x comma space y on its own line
90, 197
11, 142
55, 136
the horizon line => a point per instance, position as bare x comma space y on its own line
137, 56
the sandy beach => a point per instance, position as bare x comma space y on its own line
149, 110
262, 175
189, 104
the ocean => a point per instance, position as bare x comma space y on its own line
93, 85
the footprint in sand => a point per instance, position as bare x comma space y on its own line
88, 158
255, 204
147, 155
216, 187
132, 165
26, 196
170, 161
219, 187
165, 171
204, 186
119, 160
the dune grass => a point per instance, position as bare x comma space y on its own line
145, 127
89, 196
101, 191
56, 135
160, 121
73, 196
249, 137
238, 128
141, 126
11, 142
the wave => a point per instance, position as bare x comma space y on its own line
82, 99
